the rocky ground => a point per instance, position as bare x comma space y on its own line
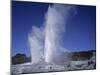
44, 67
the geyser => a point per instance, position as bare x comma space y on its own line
36, 44
56, 19
46, 42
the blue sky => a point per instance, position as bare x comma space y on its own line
80, 34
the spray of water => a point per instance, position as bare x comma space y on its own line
36, 38
56, 20
46, 42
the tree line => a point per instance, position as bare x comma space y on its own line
20, 58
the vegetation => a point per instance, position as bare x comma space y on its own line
20, 58
83, 55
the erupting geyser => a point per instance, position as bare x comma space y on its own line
56, 18
46, 42
36, 44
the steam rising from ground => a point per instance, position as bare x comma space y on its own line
47, 42
36, 38
56, 20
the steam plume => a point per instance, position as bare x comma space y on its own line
56, 20
47, 42
36, 44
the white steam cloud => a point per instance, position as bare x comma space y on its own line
36, 38
47, 42
56, 19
